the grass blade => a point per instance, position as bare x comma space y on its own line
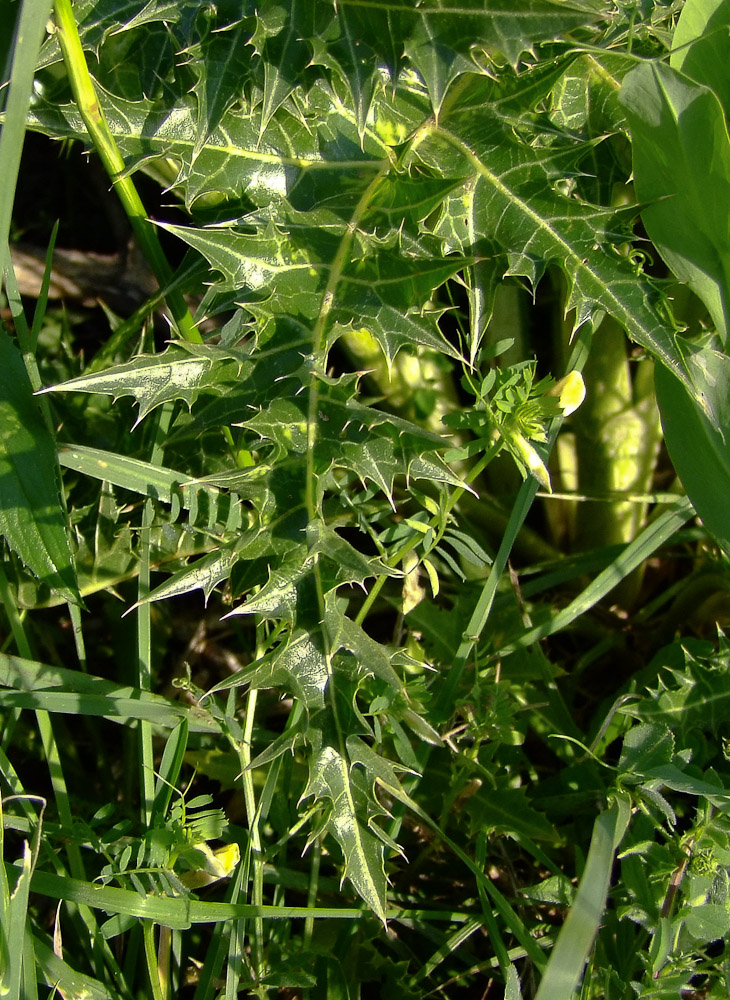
30, 29
570, 954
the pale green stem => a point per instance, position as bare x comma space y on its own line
316, 858
257, 893
144, 624
163, 961
148, 933
95, 121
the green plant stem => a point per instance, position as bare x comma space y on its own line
244, 756
95, 121
144, 625
314, 864
163, 961
148, 931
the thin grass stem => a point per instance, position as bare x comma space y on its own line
95, 121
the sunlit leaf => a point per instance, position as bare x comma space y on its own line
32, 520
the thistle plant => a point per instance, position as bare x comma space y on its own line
392, 237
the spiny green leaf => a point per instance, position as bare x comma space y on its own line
180, 372
298, 665
234, 161
330, 777
32, 520
347, 564
517, 207
450, 40
204, 574
306, 661
97, 21
217, 60
387, 295
287, 52
694, 695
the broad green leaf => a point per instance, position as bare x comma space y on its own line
700, 447
681, 153
700, 45
32, 520
646, 746
672, 777
708, 921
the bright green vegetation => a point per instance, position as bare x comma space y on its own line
450, 715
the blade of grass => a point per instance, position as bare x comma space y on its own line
13, 924
31, 26
570, 954
30, 684
644, 545
175, 912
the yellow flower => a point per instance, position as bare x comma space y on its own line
216, 865
532, 460
571, 391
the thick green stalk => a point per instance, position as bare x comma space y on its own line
95, 121
617, 436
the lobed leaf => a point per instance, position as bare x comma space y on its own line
180, 372
331, 778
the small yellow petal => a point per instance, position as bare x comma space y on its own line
533, 461
571, 391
